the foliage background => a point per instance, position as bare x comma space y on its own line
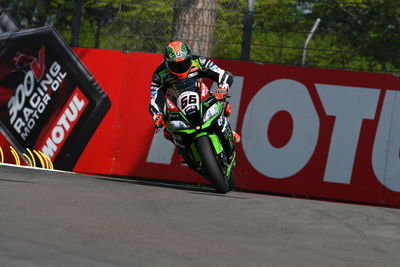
359, 34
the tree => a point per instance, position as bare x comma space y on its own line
193, 22
362, 34
367, 29
38, 13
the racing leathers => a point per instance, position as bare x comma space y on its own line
163, 79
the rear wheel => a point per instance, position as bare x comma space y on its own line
211, 166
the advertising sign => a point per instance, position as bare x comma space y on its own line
49, 101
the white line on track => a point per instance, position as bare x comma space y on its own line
35, 168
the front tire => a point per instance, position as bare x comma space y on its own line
211, 166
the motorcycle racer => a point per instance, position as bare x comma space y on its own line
178, 64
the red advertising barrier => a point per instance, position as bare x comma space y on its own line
321, 133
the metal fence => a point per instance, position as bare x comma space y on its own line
359, 35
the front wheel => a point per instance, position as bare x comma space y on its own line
211, 166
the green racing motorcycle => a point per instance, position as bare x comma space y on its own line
201, 132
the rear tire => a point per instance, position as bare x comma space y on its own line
232, 181
211, 166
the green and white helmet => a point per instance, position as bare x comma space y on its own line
178, 59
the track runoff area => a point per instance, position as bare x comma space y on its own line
53, 218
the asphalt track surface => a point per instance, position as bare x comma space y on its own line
65, 219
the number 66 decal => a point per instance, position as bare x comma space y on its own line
188, 101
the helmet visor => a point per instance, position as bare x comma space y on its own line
180, 67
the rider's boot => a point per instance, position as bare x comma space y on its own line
236, 136
182, 161
227, 112
169, 137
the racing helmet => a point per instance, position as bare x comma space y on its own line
178, 59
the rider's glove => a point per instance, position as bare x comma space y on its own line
158, 121
221, 92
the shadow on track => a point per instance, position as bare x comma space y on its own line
192, 189
16, 181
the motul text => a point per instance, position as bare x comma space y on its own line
64, 124
350, 106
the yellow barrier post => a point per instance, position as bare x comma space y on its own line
15, 154
45, 158
49, 164
40, 158
32, 156
27, 157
